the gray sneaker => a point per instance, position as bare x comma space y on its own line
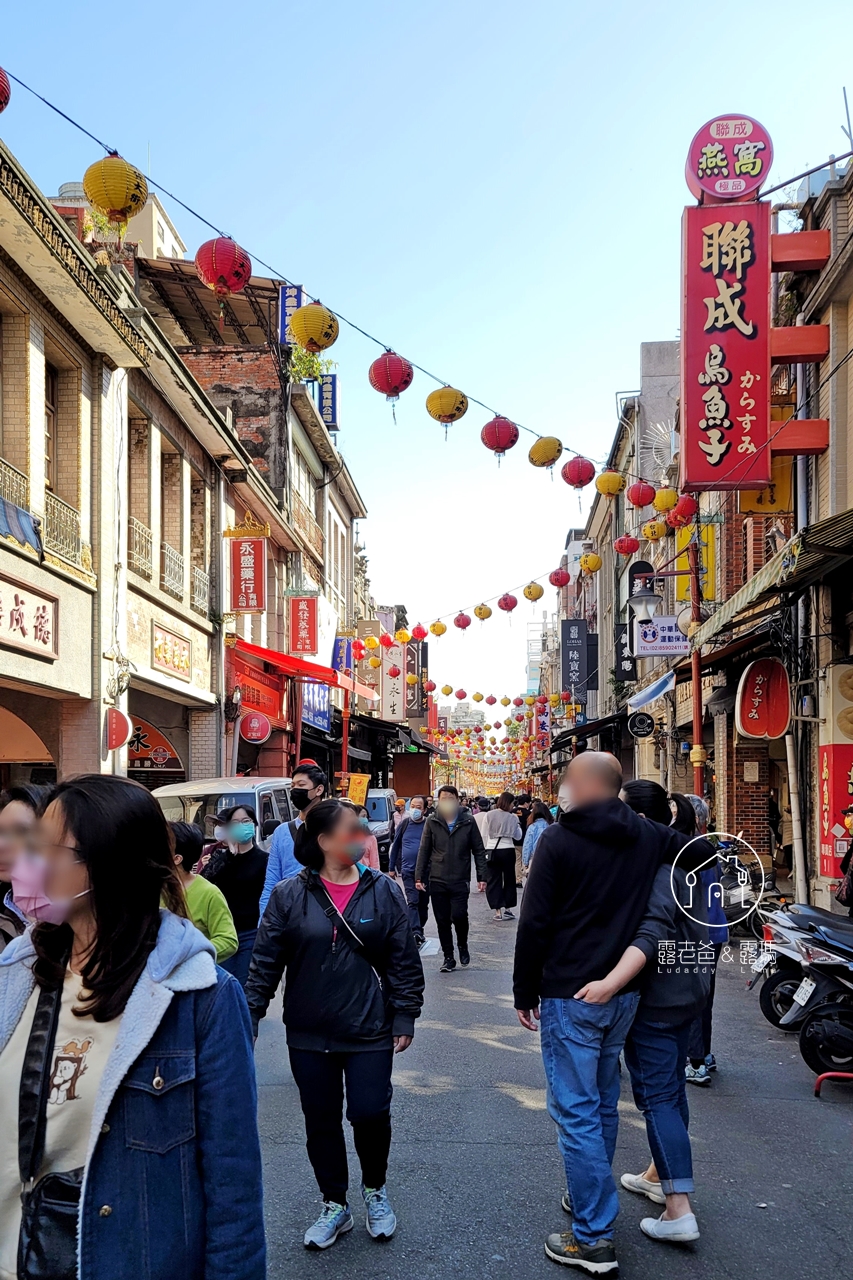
332, 1222
381, 1220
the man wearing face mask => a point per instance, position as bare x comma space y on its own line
451, 838
307, 789
403, 862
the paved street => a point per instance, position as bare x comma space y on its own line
475, 1175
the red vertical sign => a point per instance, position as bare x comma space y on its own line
836, 794
725, 347
304, 636
248, 575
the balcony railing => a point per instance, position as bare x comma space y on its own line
307, 526
61, 529
140, 548
172, 571
200, 593
14, 486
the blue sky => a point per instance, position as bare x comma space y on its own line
493, 189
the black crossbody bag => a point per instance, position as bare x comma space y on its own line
47, 1244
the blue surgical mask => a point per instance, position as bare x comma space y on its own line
365, 822
242, 832
354, 850
417, 815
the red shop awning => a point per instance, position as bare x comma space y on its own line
302, 669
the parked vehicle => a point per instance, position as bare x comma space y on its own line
826, 997
380, 812
199, 802
780, 966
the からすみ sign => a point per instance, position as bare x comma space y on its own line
763, 706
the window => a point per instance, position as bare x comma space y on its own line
161, 234
51, 382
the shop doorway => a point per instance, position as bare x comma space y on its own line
23, 755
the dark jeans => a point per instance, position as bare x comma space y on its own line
320, 1079
238, 964
417, 900
654, 1055
699, 1043
450, 905
500, 878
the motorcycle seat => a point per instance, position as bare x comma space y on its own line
817, 918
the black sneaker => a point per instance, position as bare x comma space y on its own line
419, 940
595, 1259
448, 966
464, 957
566, 1203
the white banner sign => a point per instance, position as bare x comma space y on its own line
660, 637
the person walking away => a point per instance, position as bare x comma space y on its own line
403, 863
19, 810
787, 840
481, 814
130, 1052
500, 831
239, 874
672, 994
539, 820
206, 904
354, 985
523, 809
371, 848
451, 839
585, 898
308, 787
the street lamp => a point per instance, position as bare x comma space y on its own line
644, 601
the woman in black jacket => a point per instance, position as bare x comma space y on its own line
353, 987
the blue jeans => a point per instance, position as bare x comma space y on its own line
581, 1044
655, 1053
238, 964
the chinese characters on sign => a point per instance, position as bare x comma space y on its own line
573, 653
289, 300
729, 158
316, 707
260, 691
249, 575
28, 619
329, 400
835, 769
255, 727
725, 348
393, 687
171, 653
304, 636
763, 707
660, 637
626, 665
416, 656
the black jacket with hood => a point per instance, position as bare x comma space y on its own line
676, 981
445, 856
586, 896
338, 997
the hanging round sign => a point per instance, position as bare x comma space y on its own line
119, 729
729, 158
255, 727
763, 705
641, 724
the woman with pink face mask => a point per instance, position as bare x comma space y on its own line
19, 809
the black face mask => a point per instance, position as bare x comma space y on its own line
299, 798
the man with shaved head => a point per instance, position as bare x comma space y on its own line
585, 898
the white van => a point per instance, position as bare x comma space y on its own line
199, 802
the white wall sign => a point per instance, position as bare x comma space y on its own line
659, 637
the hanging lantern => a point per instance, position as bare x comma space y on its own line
518, 702
386, 641
542, 699
664, 500
482, 611
402, 636
497, 724
478, 697
429, 686
565, 696
640, 494
225, 268
590, 562
545, 451
461, 695
609, 483
447, 689
411, 679
499, 434
5, 90
371, 642
683, 512
520, 717
533, 591
375, 662
115, 188
447, 404
314, 327
626, 545
507, 602
491, 700
554, 699
508, 721
654, 530
419, 633
394, 672
462, 621
559, 578
578, 472
390, 374
504, 701
529, 701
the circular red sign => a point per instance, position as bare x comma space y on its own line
159, 756
119, 729
763, 706
255, 727
729, 158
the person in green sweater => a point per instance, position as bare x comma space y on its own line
206, 904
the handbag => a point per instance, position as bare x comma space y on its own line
844, 892
47, 1242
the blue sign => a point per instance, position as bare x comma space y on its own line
342, 654
316, 708
329, 400
289, 300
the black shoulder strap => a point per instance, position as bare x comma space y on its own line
293, 827
35, 1083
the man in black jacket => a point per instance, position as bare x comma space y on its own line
451, 837
585, 898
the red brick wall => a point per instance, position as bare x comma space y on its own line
741, 805
245, 380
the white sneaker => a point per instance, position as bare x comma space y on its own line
642, 1187
674, 1231
334, 1221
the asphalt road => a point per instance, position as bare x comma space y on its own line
475, 1176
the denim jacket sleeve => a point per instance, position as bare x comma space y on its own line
282, 841
229, 1147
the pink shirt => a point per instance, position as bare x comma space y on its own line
371, 853
340, 893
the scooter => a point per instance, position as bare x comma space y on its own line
780, 964
826, 994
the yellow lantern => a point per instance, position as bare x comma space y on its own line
446, 404
478, 697
507, 722
504, 701
115, 188
528, 715
482, 612
530, 700
664, 500
533, 591
545, 451
371, 642
447, 689
554, 699
653, 530
314, 327
402, 636
590, 562
438, 629
411, 678
609, 483
375, 662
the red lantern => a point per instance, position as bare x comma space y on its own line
507, 602
224, 267
578, 472
429, 686
497, 724
542, 699
462, 621
499, 435
683, 512
565, 696
390, 374
520, 717
640, 494
394, 672
419, 633
518, 702
386, 641
559, 578
491, 700
460, 694
626, 545
5, 90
